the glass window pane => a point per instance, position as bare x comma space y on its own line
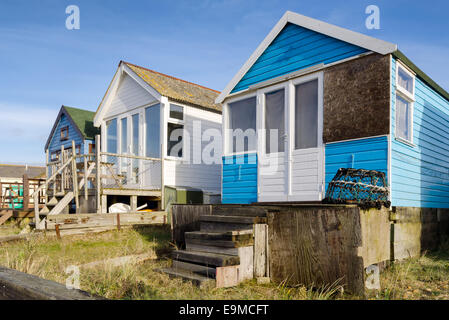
242, 115
306, 115
176, 112
152, 123
174, 137
403, 119
275, 121
135, 134
111, 136
405, 81
124, 136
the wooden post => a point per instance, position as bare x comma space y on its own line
26, 192
62, 173
75, 178
118, 221
133, 203
162, 179
85, 177
58, 234
46, 175
37, 219
1, 195
98, 178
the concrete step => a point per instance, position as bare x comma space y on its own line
194, 268
206, 258
238, 210
196, 279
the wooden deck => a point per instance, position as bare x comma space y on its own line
132, 192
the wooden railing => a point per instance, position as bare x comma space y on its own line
17, 195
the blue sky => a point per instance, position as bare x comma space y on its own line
44, 65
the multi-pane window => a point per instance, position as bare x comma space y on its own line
176, 112
175, 131
405, 97
242, 125
64, 133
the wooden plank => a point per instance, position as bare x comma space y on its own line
260, 252
212, 249
16, 285
376, 234
186, 218
206, 258
98, 172
5, 217
26, 192
227, 276
130, 192
316, 246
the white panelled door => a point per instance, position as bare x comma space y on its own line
296, 171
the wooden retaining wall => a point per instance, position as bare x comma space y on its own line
321, 245
309, 244
16, 285
416, 230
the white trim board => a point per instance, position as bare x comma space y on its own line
355, 38
110, 93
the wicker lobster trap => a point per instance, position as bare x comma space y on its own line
367, 188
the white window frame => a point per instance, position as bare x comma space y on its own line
407, 96
295, 82
105, 141
145, 127
226, 141
178, 122
261, 99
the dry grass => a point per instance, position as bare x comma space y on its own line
424, 278
49, 258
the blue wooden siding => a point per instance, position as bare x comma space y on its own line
369, 154
296, 48
56, 143
240, 179
420, 173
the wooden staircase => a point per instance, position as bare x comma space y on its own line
63, 186
222, 252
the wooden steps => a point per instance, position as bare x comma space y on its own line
223, 248
206, 258
196, 279
4, 216
216, 223
205, 271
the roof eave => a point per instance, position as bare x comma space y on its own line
421, 74
355, 38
